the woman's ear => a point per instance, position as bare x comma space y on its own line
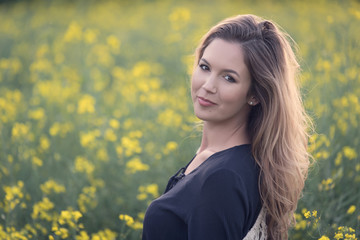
252, 101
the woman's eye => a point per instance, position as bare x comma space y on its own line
204, 67
229, 78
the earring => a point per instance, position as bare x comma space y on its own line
251, 103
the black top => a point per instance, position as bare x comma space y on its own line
217, 200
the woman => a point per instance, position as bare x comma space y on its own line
248, 174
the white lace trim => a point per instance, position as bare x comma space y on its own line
259, 230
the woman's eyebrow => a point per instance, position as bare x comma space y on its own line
225, 70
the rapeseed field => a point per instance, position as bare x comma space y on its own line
96, 115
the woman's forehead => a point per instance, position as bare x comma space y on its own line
225, 54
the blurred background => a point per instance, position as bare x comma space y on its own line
96, 115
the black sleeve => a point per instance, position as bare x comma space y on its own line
221, 210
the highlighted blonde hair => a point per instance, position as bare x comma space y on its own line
278, 124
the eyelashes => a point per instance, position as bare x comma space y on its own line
227, 77
204, 67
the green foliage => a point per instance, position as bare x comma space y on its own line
95, 112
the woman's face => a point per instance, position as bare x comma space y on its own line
220, 84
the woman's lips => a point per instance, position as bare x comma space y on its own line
204, 102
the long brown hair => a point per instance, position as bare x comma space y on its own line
278, 125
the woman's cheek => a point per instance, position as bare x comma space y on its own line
195, 81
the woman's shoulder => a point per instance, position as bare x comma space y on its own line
229, 184
238, 160
234, 168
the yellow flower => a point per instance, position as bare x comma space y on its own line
106, 234
41, 65
188, 61
142, 69
135, 165
10, 158
338, 159
114, 43
135, 134
114, 123
153, 189
88, 139
322, 154
54, 129
128, 219
323, 237
338, 236
42, 51
137, 225
30, 229
13, 195
42, 209
131, 146
4, 63
63, 233
343, 126
170, 118
44, 143
86, 104
327, 184
9, 104
351, 209
141, 196
86, 198
179, 17
73, 32
70, 218
307, 214
83, 165
37, 114
102, 155
37, 161
314, 213
41, 228
83, 236
141, 215
170, 146
349, 152
350, 236
20, 130
301, 225
100, 54
90, 36
119, 150
110, 135
118, 73
52, 186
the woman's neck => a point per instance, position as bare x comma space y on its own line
217, 137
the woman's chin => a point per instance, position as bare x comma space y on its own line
205, 117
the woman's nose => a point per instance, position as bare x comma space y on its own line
210, 84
